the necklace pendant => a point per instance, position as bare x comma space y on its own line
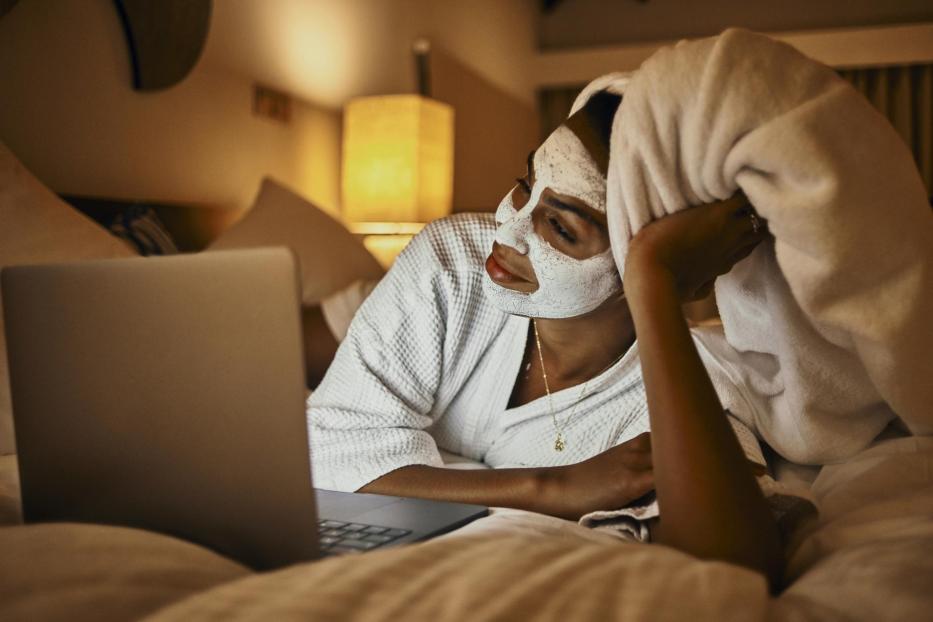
559, 442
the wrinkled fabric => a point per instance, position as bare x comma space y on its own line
828, 324
429, 363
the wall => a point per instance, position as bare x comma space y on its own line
591, 23
328, 51
858, 47
69, 113
494, 133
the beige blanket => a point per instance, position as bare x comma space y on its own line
828, 326
869, 556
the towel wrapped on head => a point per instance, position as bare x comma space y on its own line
827, 328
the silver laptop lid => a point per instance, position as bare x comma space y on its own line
167, 394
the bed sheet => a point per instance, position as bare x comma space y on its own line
868, 556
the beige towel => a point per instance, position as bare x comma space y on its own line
829, 326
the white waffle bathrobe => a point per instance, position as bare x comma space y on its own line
429, 363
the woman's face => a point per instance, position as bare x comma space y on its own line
551, 256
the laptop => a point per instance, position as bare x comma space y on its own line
168, 394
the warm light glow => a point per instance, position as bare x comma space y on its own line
385, 248
398, 157
385, 228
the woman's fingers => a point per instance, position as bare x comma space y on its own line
748, 230
743, 251
638, 461
643, 440
749, 221
641, 484
641, 443
704, 290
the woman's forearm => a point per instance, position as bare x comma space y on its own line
711, 505
608, 480
524, 489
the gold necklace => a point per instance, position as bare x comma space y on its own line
559, 442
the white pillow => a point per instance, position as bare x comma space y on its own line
338, 309
330, 257
38, 227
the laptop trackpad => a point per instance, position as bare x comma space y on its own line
423, 517
349, 507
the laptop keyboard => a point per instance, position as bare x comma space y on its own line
336, 537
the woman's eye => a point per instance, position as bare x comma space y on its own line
560, 230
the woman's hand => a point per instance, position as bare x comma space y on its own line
608, 481
696, 245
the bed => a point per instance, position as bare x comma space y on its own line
868, 554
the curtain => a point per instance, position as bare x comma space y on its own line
554, 105
903, 94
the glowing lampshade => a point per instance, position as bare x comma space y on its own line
398, 156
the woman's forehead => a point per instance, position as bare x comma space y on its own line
588, 134
563, 164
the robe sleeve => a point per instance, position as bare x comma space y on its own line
371, 413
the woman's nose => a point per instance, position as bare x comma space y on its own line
514, 233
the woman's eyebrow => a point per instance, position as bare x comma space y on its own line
530, 164
555, 202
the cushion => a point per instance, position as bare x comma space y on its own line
141, 228
330, 257
338, 309
38, 227
10, 503
67, 571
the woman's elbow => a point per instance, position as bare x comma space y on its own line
762, 555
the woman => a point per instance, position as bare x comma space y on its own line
512, 341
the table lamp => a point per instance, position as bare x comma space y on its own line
398, 153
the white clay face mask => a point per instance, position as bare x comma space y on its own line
567, 287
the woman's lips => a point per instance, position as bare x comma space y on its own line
499, 274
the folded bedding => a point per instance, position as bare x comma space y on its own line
827, 327
490, 578
869, 554
868, 557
